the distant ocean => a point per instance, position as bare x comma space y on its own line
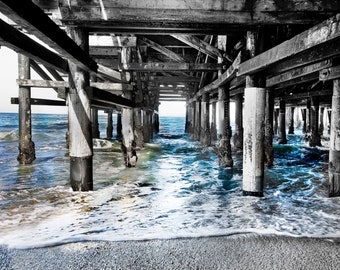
176, 190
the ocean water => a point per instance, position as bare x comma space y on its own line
176, 190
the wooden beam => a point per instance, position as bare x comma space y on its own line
112, 74
308, 94
213, 15
161, 66
224, 78
103, 52
64, 84
326, 51
112, 41
39, 101
35, 21
312, 38
331, 73
297, 73
104, 96
167, 52
200, 45
15, 40
174, 79
308, 77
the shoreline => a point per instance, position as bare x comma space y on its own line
218, 252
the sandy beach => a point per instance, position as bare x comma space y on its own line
223, 252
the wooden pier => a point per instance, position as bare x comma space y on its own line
273, 59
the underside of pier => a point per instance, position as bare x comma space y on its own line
267, 56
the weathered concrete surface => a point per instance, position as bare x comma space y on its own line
229, 252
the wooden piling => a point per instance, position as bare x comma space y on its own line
197, 131
238, 136
205, 136
138, 128
304, 120
334, 144
79, 113
26, 145
291, 120
224, 146
95, 123
282, 123
213, 126
276, 122
315, 139
119, 126
269, 131
321, 121
253, 123
109, 128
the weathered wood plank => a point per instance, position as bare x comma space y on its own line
232, 5
296, 73
331, 73
165, 51
103, 51
39, 101
324, 32
64, 84
326, 51
161, 66
314, 76
112, 74
299, 96
224, 78
175, 79
183, 12
201, 46
112, 41
104, 96
15, 40
32, 18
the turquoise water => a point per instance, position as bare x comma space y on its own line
176, 190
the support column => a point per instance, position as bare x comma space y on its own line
95, 124
253, 123
156, 124
109, 128
315, 139
321, 122
329, 115
224, 146
138, 131
304, 120
205, 136
197, 131
26, 145
79, 113
291, 120
308, 116
334, 144
282, 123
238, 136
213, 127
128, 140
193, 120
187, 118
119, 126
269, 132
276, 122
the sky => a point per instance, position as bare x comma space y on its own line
9, 74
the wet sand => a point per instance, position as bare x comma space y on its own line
224, 252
